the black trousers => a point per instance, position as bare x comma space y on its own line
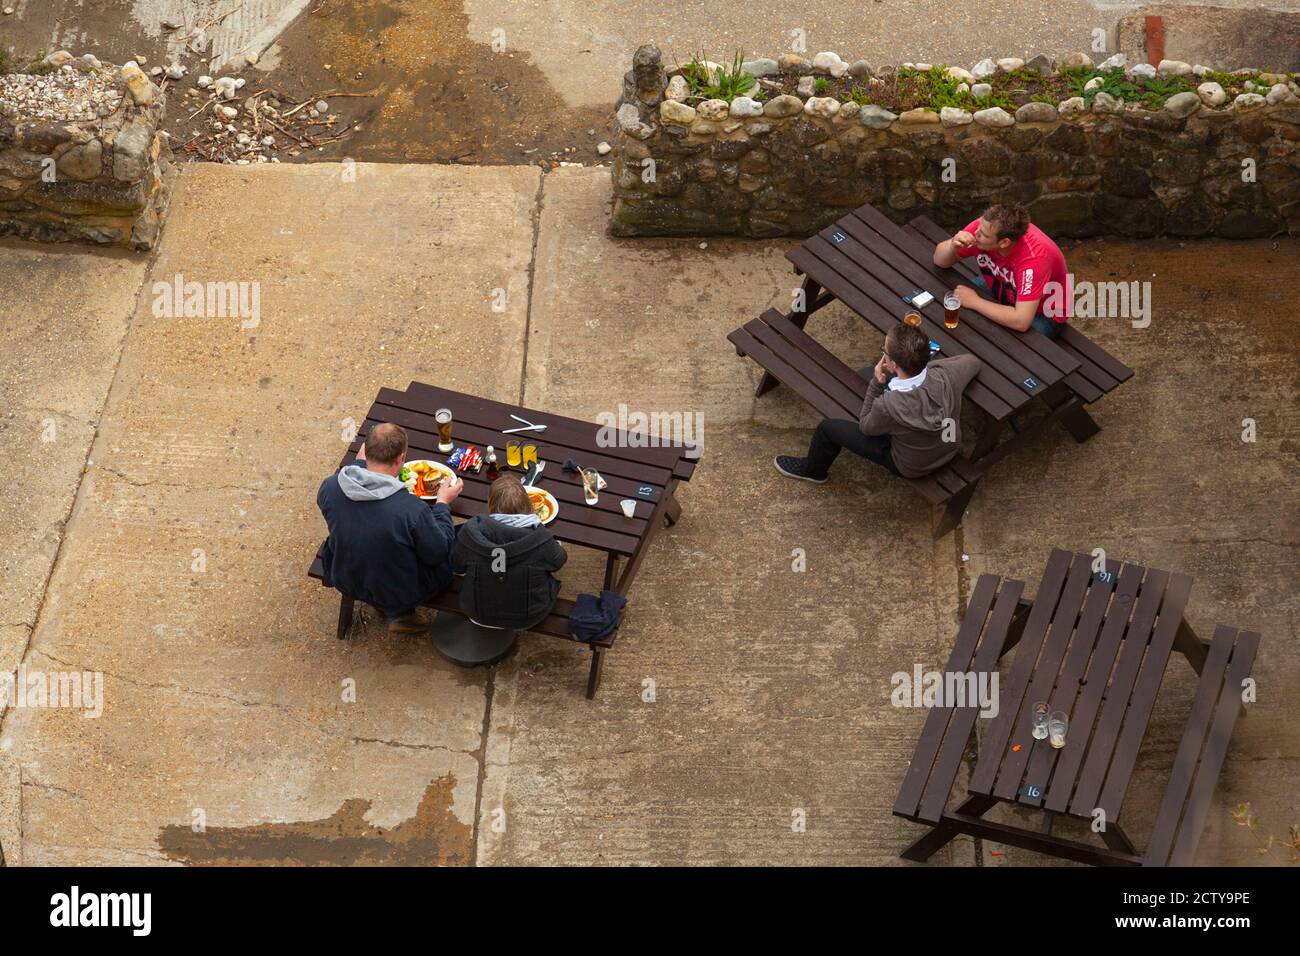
834, 434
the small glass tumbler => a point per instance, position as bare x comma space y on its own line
1057, 724
1040, 721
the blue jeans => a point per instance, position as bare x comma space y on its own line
1047, 326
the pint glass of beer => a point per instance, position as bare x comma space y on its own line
443, 418
951, 306
913, 319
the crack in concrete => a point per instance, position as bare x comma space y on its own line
408, 746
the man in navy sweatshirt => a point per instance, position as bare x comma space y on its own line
387, 547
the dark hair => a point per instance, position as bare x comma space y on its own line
506, 496
908, 347
385, 443
1012, 219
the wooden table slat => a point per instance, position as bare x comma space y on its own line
1101, 746
1043, 681
1145, 689
995, 742
826, 381
849, 377
1208, 689
1042, 764
936, 719
1093, 688
1010, 775
963, 718
1216, 748
788, 373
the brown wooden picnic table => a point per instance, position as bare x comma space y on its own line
1093, 644
869, 263
640, 468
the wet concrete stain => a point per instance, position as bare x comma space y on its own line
432, 837
436, 96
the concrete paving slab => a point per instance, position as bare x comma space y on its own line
1169, 483
182, 577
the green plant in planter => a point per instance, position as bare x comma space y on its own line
821, 85
727, 82
1113, 82
1159, 88
860, 95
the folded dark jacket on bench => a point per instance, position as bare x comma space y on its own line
594, 618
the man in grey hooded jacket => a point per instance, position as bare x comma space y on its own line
387, 547
911, 417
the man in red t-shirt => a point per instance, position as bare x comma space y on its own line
1021, 268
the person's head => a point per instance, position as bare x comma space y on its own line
506, 496
907, 350
1001, 227
386, 447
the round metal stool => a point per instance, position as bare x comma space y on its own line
462, 642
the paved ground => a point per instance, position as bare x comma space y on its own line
771, 686
527, 81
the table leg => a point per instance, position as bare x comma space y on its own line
953, 511
1080, 424
943, 832
672, 511
345, 616
1191, 647
1117, 839
1069, 407
611, 566
593, 677
988, 439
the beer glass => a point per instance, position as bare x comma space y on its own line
1056, 727
951, 305
913, 319
443, 417
1040, 721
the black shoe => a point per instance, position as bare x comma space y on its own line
796, 468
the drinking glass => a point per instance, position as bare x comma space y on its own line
529, 455
913, 319
513, 456
951, 306
1040, 721
443, 417
1057, 724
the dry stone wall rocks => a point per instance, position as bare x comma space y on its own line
786, 165
82, 154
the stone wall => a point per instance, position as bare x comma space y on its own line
81, 154
792, 164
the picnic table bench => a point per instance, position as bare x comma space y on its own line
868, 262
627, 466
1095, 645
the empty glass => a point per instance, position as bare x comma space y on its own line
1056, 727
1040, 721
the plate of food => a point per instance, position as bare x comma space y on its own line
422, 477
544, 504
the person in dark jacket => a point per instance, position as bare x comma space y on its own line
386, 546
509, 560
910, 421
